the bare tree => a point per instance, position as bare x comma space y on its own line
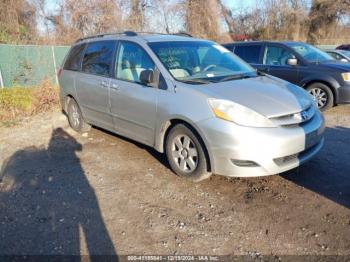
318, 21
164, 15
269, 19
75, 19
17, 21
284, 18
228, 16
136, 20
243, 23
202, 18
324, 17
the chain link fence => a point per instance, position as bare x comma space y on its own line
28, 65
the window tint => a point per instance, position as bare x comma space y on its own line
73, 61
277, 56
98, 58
248, 53
132, 60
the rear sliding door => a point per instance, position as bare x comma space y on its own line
92, 84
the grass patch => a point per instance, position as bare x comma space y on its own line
19, 102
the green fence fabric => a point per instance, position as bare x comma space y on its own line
28, 65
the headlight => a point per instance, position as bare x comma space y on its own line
238, 114
346, 76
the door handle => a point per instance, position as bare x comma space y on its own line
104, 83
115, 87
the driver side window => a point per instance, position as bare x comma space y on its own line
131, 61
277, 56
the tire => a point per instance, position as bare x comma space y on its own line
186, 154
322, 94
75, 117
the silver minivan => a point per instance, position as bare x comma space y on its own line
192, 99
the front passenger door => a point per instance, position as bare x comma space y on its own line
275, 62
133, 104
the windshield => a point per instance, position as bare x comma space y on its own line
200, 61
345, 52
310, 53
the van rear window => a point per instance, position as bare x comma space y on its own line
249, 53
73, 61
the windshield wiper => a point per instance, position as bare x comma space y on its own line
235, 77
195, 81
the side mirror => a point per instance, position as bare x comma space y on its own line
292, 61
344, 60
147, 77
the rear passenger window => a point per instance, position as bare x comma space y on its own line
98, 58
73, 61
250, 54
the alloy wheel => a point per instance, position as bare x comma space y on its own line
320, 96
184, 153
75, 115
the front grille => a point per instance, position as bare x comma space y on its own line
294, 119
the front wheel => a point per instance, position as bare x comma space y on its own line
186, 154
322, 95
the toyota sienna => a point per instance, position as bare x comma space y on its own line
205, 108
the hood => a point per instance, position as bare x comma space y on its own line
266, 95
334, 64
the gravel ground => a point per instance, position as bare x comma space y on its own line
98, 193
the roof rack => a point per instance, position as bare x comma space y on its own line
127, 33
181, 33
131, 33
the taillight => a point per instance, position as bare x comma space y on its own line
59, 72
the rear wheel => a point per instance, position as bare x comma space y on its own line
75, 117
186, 155
322, 94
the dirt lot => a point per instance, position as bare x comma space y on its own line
64, 193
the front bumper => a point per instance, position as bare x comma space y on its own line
273, 150
344, 94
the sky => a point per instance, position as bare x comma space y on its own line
240, 3
51, 4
